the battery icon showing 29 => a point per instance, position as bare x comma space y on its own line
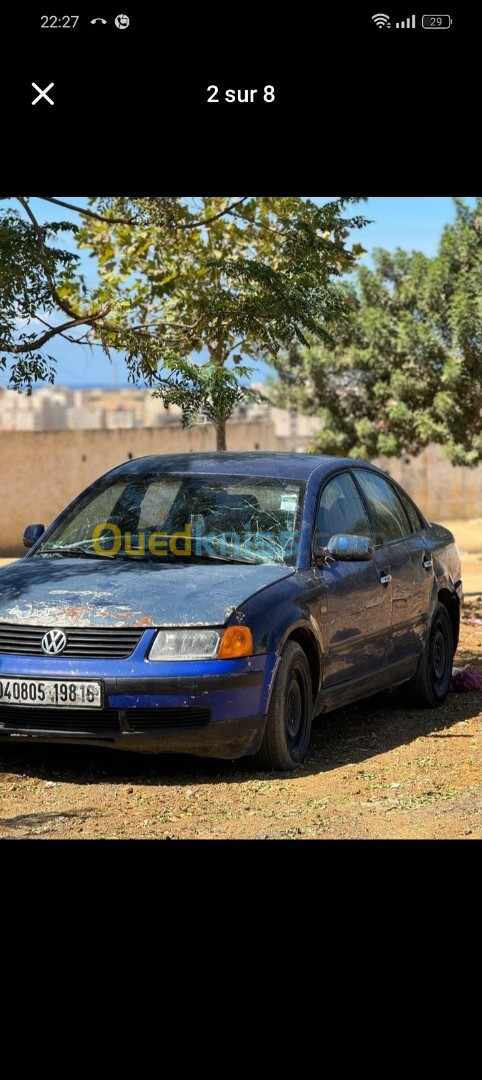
436, 22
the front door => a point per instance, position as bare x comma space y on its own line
355, 610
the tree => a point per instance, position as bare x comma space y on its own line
406, 368
31, 274
230, 278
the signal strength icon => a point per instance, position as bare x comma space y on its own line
382, 21
407, 24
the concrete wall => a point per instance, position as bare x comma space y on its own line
40, 472
443, 491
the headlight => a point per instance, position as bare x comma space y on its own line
185, 645
234, 642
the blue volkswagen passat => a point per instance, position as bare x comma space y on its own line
213, 604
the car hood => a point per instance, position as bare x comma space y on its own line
77, 592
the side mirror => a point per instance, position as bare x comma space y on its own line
32, 534
345, 548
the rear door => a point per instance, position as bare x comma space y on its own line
422, 562
409, 569
356, 605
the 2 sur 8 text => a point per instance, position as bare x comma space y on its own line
216, 94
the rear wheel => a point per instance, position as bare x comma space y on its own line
288, 725
431, 684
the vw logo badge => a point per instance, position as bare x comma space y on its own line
53, 642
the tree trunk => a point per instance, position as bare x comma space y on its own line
221, 435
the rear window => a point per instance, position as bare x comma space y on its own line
411, 512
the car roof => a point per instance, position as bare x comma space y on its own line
291, 466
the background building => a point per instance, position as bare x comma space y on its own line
61, 408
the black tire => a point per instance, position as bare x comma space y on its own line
288, 725
431, 683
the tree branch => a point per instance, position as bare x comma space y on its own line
132, 221
214, 217
66, 337
232, 348
38, 343
62, 304
89, 213
163, 325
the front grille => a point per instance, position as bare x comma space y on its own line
75, 721
99, 721
113, 643
152, 719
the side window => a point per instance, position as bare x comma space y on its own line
411, 512
341, 510
390, 517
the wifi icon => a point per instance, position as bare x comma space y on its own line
382, 21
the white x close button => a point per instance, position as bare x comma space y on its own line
43, 93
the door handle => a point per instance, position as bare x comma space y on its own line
427, 562
385, 579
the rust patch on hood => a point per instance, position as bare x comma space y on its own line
80, 593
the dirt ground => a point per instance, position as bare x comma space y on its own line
374, 770
468, 535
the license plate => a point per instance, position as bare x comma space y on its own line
59, 693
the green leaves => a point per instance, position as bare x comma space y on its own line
226, 276
200, 390
405, 369
219, 277
30, 270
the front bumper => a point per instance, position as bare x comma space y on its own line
210, 708
228, 740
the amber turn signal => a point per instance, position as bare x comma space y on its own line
236, 641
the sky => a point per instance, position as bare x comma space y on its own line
408, 222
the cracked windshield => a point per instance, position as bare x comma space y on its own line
233, 519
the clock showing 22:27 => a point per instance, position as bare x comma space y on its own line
59, 22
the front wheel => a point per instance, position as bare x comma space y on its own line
431, 683
288, 725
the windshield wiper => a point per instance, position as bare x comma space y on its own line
226, 558
81, 553
193, 557
77, 553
